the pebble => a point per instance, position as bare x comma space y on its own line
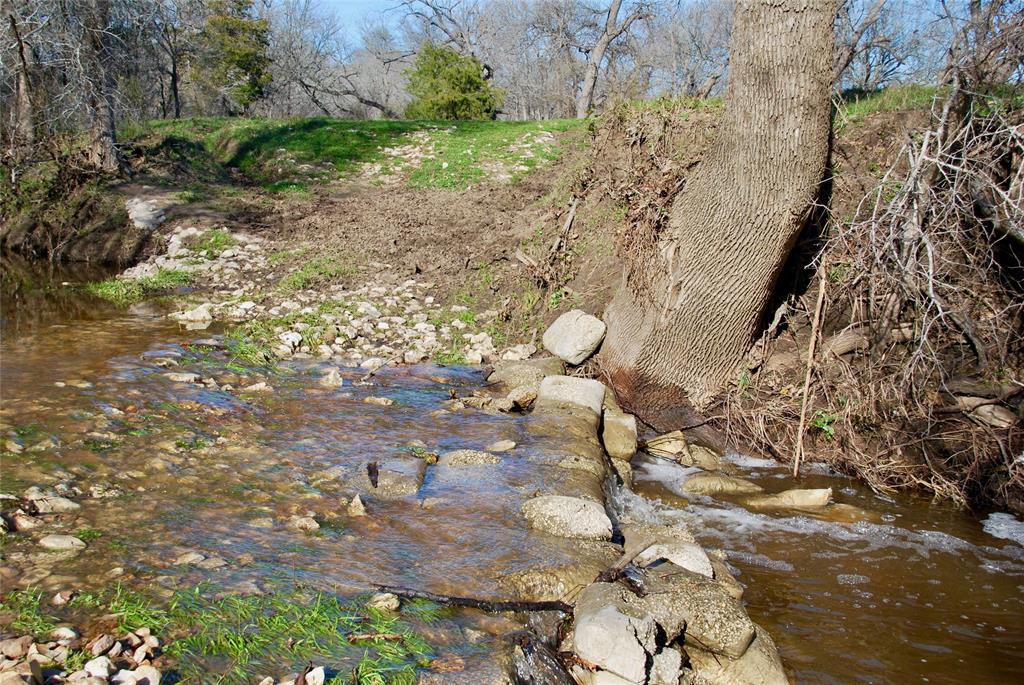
501, 446
61, 542
384, 601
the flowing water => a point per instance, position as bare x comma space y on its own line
914, 592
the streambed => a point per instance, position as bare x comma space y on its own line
166, 469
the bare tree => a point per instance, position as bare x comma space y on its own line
693, 296
611, 31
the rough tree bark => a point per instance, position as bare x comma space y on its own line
24, 127
691, 303
612, 30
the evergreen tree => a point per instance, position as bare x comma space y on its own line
447, 85
236, 44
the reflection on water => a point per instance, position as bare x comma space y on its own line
913, 593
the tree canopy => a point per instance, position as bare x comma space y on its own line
447, 85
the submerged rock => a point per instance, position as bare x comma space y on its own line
467, 458
332, 379
719, 484
62, 542
792, 499
574, 336
568, 517
384, 601
54, 505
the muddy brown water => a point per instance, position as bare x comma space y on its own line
914, 593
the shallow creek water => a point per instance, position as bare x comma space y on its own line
917, 593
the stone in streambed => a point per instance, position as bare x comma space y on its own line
501, 446
712, 484
712, 618
54, 505
396, 478
568, 517
526, 374
611, 634
467, 458
619, 434
574, 336
356, 508
759, 665
792, 499
332, 379
559, 394
62, 542
670, 543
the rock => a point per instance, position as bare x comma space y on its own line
611, 634
396, 478
101, 645
568, 393
384, 601
526, 373
21, 521
372, 363
670, 543
12, 678
712, 618
144, 214
189, 558
356, 507
501, 446
316, 676
63, 633
568, 517
182, 377
712, 484
332, 379
62, 542
574, 336
147, 675
100, 667
307, 524
666, 667
522, 397
54, 505
199, 315
984, 411
584, 677
467, 458
382, 401
619, 434
212, 563
16, 648
519, 352
791, 499
759, 665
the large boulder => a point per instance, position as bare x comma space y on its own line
759, 665
568, 517
574, 336
609, 633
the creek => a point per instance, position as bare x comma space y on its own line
910, 592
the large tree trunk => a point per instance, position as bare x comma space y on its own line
692, 302
24, 126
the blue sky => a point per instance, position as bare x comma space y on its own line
352, 12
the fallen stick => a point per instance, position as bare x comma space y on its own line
483, 604
807, 377
375, 636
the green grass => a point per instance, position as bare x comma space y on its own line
123, 291
857, 104
26, 608
213, 241
314, 272
87, 534
253, 342
292, 155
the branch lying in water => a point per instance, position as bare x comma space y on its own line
483, 604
